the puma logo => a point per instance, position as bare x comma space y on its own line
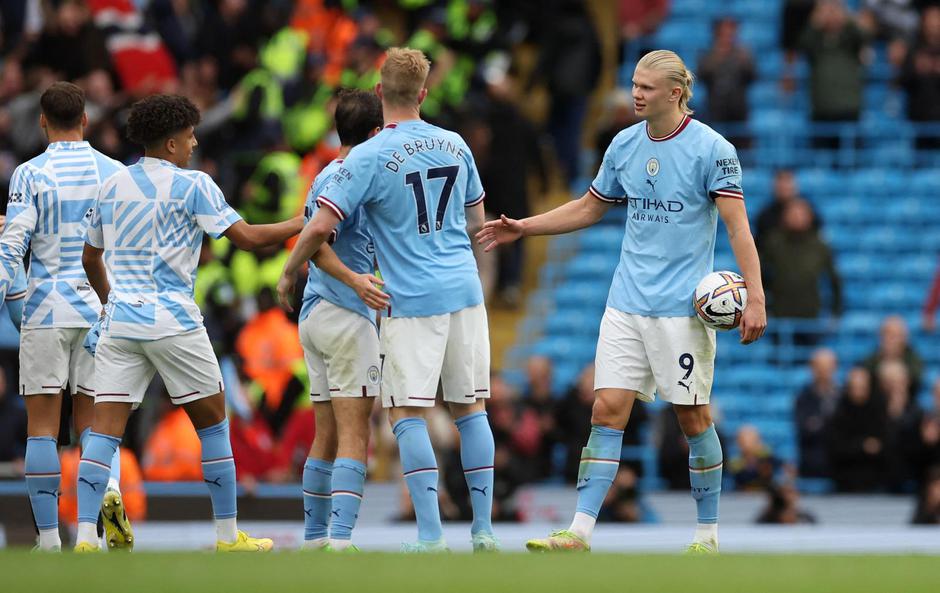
94, 485
652, 184
335, 513
53, 493
480, 490
216, 482
688, 390
432, 489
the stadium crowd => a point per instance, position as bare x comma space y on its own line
264, 76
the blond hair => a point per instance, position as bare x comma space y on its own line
404, 74
670, 64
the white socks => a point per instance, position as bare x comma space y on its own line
706, 533
225, 530
315, 544
113, 484
49, 539
340, 544
583, 526
87, 534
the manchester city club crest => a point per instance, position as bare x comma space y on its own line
652, 167
374, 375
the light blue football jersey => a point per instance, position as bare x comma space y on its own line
150, 220
414, 180
352, 243
669, 185
51, 196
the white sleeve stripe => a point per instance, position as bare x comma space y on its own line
476, 201
728, 193
336, 209
604, 198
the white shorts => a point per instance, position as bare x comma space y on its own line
52, 357
453, 348
341, 349
186, 362
671, 356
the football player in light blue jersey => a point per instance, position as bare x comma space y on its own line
676, 176
419, 188
50, 196
141, 251
341, 348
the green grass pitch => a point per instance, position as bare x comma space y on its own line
286, 572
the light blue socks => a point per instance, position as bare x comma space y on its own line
599, 462
419, 467
705, 462
43, 474
318, 475
349, 477
94, 469
115, 481
476, 455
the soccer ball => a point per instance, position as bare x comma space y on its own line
720, 299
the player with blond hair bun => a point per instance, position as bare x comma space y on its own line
419, 188
676, 176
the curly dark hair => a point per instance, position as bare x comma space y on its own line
158, 117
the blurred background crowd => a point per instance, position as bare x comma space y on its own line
538, 89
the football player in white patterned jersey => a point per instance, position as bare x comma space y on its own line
141, 251
50, 197
676, 176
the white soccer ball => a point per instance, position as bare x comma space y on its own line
720, 299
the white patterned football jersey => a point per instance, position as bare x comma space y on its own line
150, 220
50, 197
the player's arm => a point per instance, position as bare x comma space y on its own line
18, 229
573, 216
93, 262
365, 285
251, 237
312, 236
734, 215
475, 218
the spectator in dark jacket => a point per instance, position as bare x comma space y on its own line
857, 435
754, 467
512, 154
569, 64
785, 190
71, 44
903, 418
894, 344
920, 75
783, 507
727, 70
928, 505
833, 44
814, 406
795, 259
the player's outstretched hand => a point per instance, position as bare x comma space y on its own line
367, 287
753, 322
499, 232
285, 290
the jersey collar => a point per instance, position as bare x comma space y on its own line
682, 125
54, 146
154, 162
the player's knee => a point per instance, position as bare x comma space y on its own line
693, 420
608, 413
